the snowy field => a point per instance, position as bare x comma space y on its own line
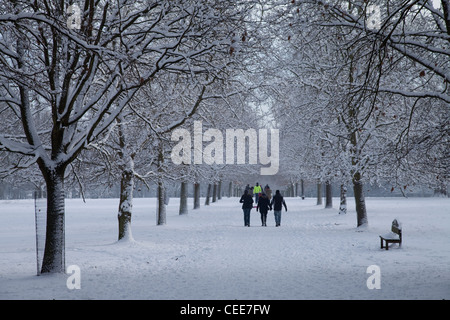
209, 254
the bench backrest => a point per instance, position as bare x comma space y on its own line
396, 228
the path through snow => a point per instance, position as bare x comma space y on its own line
209, 254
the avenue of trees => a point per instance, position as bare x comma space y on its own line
92, 91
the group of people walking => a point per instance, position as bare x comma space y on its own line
264, 203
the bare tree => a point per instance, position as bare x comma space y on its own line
84, 75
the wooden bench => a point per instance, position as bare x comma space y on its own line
395, 236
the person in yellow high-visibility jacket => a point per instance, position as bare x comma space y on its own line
256, 191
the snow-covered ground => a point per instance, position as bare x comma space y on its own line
209, 254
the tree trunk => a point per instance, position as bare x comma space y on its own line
230, 189
343, 203
208, 195
319, 193
214, 197
161, 201
303, 189
126, 201
196, 195
54, 252
328, 195
361, 213
183, 198
126, 164
161, 213
219, 190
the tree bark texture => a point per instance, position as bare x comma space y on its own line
54, 252
361, 213
219, 190
126, 203
183, 198
161, 214
328, 195
319, 193
343, 202
196, 195
214, 197
208, 195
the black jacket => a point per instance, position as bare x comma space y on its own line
277, 202
247, 201
263, 204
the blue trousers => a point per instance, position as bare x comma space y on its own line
277, 217
247, 216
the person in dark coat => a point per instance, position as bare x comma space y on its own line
247, 205
263, 206
268, 192
277, 203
